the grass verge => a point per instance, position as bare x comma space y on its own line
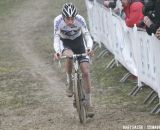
113, 92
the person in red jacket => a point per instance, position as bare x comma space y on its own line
133, 12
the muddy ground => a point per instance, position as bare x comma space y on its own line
32, 87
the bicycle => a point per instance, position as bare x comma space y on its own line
79, 94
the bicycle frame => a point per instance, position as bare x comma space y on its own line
78, 89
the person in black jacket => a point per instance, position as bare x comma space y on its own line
151, 11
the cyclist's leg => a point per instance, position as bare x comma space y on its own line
68, 70
87, 82
87, 86
68, 64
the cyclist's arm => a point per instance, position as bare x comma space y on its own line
86, 34
88, 39
57, 44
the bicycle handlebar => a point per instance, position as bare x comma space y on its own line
74, 56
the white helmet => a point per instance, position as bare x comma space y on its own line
69, 10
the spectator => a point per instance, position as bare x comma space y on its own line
158, 33
110, 3
133, 12
151, 11
115, 5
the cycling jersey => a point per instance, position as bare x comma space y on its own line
62, 31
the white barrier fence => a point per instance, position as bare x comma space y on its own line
135, 50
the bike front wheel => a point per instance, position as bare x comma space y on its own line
80, 100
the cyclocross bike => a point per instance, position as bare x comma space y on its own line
79, 94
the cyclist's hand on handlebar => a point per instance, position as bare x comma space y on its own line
90, 52
56, 56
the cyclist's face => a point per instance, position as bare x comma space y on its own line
69, 21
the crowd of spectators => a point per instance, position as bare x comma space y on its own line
144, 13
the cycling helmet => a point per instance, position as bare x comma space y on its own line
69, 10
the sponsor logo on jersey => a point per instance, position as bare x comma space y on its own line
70, 32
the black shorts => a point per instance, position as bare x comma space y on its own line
77, 46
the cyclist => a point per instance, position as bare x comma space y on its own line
70, 36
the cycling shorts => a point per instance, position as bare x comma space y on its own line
77, 46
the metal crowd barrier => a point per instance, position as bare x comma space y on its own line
135, 50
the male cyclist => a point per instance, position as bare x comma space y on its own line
70, 36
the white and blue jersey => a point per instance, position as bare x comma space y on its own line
62, 31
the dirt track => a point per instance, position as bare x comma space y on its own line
53, 110
44, 105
